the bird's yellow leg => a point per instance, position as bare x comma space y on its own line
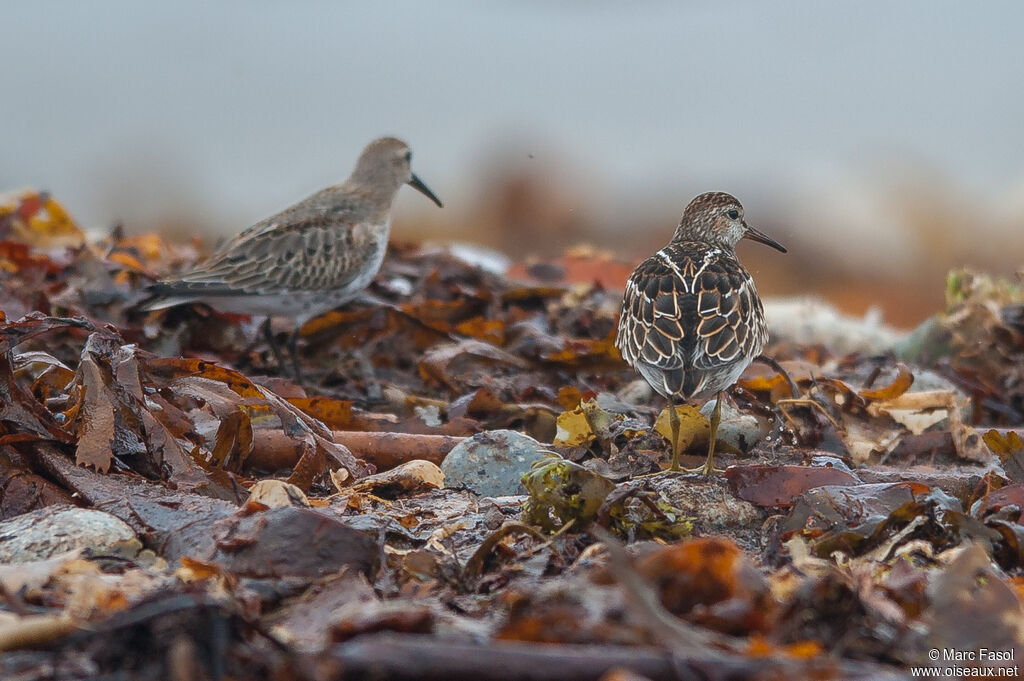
716, 417
673, 419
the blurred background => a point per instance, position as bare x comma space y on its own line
881, 142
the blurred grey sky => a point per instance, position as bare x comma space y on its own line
227, 111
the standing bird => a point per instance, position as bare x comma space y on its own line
691, 320
309, 258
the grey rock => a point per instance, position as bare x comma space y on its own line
265, 545
54, 530
492, 464
636, 392
739, 429
611, 402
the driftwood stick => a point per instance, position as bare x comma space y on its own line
394, 656
273, 450
428, 658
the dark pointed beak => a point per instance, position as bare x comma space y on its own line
417, 184
758, 235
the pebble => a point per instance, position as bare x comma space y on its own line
53, 530
492, 464
739, 429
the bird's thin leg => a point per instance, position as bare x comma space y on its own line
716, 417
293, 350
673, 419
274, 347
369, 376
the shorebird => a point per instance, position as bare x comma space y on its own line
691, 320
311, 257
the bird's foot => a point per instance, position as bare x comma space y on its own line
664, 471
707, 469
673, 470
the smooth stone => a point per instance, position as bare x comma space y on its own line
739, 429
53, 530
636, 392
493, 463
611, 402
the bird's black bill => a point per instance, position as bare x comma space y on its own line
757, 235
417, 184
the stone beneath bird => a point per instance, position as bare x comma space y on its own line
311, 257
691, 319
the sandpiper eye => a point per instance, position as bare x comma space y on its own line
408, 156
733, 214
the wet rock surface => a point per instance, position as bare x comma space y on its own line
58, 529
492, 464
250, 545
740, 430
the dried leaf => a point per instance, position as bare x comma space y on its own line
193, 570
780, 485
692, 425
488, 330
969, 444
712, 576
19, 409
759, 377
336, 414
901, 384
233, 442
95, 418
1010, 450
572, 429
1006, 445
994, 500
311, 464
35, 218
569, 397
171, 369
578, 352
277, 493
33, 325
917, 411
458, 364
412, 476
480, 404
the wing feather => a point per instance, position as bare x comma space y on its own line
312, 245
688, 312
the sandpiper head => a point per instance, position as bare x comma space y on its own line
717, 218
385, 165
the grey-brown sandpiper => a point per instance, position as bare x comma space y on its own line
691, 319
311, 257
